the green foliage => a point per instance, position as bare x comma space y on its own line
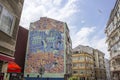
73, 78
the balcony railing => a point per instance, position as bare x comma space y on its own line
116, 54
115, 68
118, 23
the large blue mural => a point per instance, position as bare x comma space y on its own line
45, 47
45, 41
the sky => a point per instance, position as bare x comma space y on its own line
86, 19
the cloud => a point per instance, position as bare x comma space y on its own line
57, 2
81, 37
82, 21
99, 43
34, 9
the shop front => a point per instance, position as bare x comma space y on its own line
10, 71
4, 59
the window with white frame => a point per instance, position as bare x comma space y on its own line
6, 20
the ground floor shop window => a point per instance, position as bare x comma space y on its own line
82, 78
16, 76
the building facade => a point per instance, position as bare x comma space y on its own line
113, 40
108, 76
20, 51
88, 63
21, 45
10, 13
99, 65
49, 46
68, 45
82, 63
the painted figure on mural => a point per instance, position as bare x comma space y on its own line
40, 40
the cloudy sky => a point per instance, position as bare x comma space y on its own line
86, 19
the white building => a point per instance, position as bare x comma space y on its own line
113, 39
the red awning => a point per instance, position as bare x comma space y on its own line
13, 67
6, 58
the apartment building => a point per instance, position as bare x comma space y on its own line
99, 65
113, 40
88, 61
10, 13
49, 46
82, 63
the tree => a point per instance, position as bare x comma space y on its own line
73, 78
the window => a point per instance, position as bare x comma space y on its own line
88, 71
0, 9
6, 20
82, 65
95, 65
118, 13
82, 78
74, 65
75, 58
76, 52
75, 72
115, 20
82, 71
81, 58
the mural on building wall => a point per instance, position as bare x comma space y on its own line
45, 47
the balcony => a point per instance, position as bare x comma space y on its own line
118, 23
78, 61
115, 41
116, 55
114, 28
79, 68
115, 68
